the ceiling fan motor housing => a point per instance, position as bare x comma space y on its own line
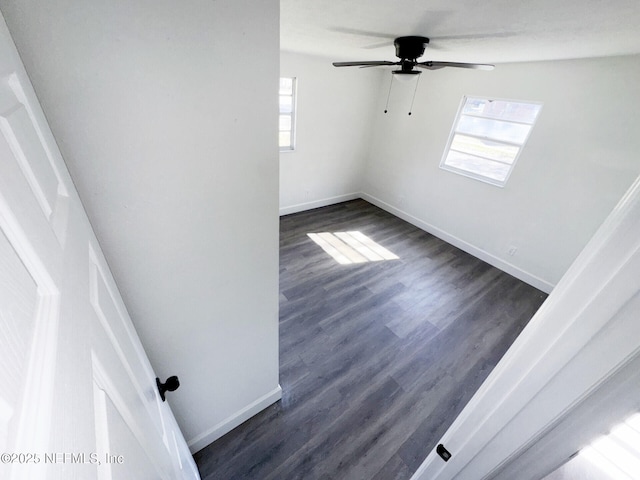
410, 48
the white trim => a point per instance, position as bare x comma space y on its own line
323, 202
483, 255
571, 362
209, 436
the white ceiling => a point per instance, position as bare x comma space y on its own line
490, 31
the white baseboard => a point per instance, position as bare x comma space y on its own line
301, 207
209, 436
507, 267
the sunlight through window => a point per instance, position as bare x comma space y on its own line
617, 455
351, 247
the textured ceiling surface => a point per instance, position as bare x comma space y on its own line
490, 31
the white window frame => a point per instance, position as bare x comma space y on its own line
292, 132
454, 131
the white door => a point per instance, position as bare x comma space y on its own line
78, 397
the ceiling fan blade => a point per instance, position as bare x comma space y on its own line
363, 33
377, 45
372, 66
365, 64
475, 36
438, 65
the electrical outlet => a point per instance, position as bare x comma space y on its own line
512, 250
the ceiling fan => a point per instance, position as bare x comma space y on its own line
409, 49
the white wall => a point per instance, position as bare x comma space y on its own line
166, 114
581, 157
335, 108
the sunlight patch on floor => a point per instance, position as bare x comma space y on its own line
351, 247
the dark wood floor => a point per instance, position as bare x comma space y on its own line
376, 359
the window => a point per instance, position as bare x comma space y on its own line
487, 138
286, 136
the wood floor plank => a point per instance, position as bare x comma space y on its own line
376, 359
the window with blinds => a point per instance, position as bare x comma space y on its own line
286, 137
488, 136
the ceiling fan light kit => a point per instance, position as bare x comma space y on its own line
409, 49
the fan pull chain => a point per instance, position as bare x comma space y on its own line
388, 95
414, 94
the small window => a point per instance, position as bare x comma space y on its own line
286, 138
488, 136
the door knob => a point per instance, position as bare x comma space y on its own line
170, 385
